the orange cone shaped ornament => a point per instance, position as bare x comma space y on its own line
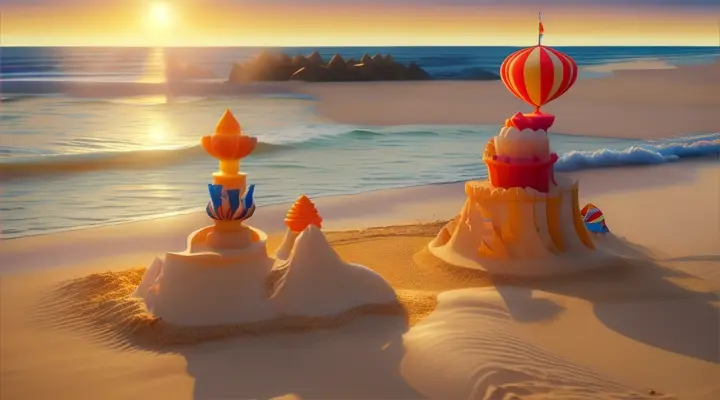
302, 214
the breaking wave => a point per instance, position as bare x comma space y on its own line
650, 153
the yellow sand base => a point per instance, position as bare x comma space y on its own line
101, 304
522, 232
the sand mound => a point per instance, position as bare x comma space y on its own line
472, 347
318, 283
103, 303
205, 289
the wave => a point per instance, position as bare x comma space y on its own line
649, 153
644, 154
19, 167
13, 168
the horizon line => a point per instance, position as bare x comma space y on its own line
349, 46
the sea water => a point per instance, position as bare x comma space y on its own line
69, 161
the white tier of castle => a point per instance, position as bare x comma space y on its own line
513, 231
522, 145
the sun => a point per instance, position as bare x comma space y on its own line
160, 15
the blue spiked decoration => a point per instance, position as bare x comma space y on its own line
229, 205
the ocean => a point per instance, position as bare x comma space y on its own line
130, 151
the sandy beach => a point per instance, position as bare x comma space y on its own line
677, 298
644, 101
641, 329
385, 200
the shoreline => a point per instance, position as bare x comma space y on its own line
401, 206
200, 210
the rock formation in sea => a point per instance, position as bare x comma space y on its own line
268, 66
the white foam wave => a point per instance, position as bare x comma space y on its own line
643, 154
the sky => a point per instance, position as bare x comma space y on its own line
357, 22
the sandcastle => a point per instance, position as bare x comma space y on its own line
222, 277
523, 220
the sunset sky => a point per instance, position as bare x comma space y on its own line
357, 22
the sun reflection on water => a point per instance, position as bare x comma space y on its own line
149, 100
154, 70
159, 134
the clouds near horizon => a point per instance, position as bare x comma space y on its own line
711, 4
362, 22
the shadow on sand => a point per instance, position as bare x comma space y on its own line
634, 295
524, 308
641, 300
357, 357
357, 361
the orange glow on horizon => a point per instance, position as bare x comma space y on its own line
182, 24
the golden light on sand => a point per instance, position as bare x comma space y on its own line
160, 15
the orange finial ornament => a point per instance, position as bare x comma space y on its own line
302, 214
229, 146
228, 142
228, 125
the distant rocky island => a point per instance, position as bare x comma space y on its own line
269, 66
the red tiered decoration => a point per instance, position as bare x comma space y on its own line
536, 175
536, 75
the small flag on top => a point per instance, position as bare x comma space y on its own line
541, 29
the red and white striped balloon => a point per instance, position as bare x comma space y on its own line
538, 75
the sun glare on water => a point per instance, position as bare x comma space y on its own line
159, 135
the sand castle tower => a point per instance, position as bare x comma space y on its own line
522, 212
231, 201
302, 214
220, 277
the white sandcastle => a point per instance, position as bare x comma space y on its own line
222, 276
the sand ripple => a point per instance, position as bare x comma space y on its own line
469, 348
